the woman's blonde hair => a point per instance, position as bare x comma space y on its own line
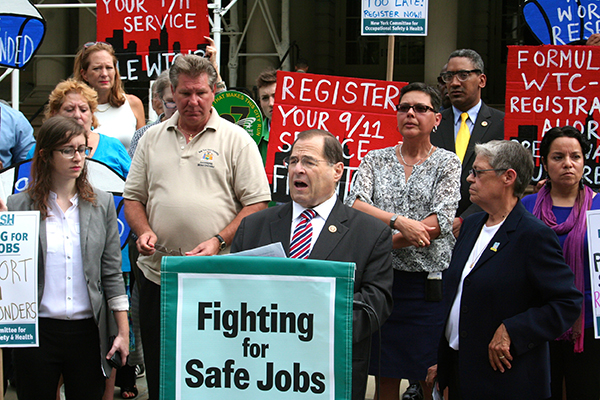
60, 92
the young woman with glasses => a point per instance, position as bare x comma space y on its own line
79, 271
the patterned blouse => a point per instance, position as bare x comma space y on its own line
432, 188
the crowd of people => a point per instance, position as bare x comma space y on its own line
479, 294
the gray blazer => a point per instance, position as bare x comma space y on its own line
101, 255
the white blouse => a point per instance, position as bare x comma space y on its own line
65, 289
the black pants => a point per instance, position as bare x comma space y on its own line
70, 348
581, 371
150, 329
453, 377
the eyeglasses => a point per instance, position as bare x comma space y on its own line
69, 152
440, 80
90, 44
307, 162
462, 75
419, 108
169, 104
476, 172
164, 250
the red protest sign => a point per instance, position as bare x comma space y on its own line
146, 35
361, 113
550, 86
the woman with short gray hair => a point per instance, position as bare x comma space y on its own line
508, 288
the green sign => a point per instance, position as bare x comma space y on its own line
254, 328
240, 109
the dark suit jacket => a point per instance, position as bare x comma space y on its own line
488, 126
359, 238
101, 257
524, 284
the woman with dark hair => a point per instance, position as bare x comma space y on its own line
562, 204
79, 271
414, 188
119, 114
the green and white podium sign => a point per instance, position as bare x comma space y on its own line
256, 328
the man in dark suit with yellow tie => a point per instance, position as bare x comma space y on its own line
468, 121
317, 225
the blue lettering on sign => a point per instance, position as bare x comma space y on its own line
7, 219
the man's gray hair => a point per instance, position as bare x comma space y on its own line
161, 83
507, 154
471, 55
193, 66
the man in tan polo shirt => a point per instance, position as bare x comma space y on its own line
193, 179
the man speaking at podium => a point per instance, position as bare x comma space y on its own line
317, 225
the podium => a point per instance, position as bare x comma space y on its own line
256, 327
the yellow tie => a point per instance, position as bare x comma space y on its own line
462, 137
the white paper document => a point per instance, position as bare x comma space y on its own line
270, 250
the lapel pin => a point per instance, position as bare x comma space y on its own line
484, 123
495, 246
332, 228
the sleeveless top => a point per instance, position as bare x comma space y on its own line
119, 123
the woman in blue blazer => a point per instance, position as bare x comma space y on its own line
508, 290
80, 285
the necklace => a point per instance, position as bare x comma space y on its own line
418, 162
103, 107
189, 135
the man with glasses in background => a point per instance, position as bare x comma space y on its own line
192, 180
468, 121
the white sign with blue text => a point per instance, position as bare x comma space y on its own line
394, 17
593, 231
19, 238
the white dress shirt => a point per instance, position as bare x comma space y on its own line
318, 222
482, 243
65, 289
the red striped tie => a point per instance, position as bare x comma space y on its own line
300, 245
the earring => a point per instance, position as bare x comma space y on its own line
434, 129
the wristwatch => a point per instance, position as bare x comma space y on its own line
393, 220
222, 243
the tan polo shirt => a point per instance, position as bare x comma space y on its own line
192, 191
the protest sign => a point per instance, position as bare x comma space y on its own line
562, 21
19, 238
22, 30
240, 109
361, 113
550, 86
593, 232
394, 17
254, 328
147, 35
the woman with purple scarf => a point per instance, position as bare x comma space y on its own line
562, 204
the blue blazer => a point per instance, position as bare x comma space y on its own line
523, 283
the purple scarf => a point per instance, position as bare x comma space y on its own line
575, 228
